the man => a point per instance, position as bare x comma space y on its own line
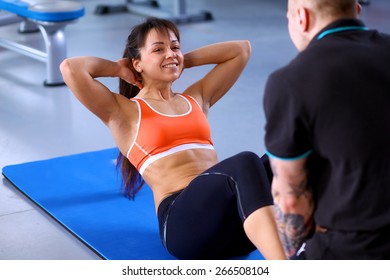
328, 135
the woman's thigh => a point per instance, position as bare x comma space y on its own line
203, 222
206, 219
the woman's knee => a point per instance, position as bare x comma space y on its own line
248, 157
249, 162
258, 164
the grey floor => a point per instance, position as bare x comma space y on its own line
38, 122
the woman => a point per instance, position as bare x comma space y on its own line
206, 209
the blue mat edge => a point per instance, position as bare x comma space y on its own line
54, 217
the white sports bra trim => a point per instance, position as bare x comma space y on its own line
173, 150
166, 115
138, 125
200, 107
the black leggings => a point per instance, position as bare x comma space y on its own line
205, 220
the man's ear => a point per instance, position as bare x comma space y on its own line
303, 19
358, 9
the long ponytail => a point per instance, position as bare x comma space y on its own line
132, 180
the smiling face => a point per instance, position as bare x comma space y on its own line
161, 58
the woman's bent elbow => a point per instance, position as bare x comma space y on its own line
247, 48
64, 66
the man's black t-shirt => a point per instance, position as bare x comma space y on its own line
332, 104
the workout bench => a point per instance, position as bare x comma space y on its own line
177, 11
51, 18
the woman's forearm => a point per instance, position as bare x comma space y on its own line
217, 53
92, 66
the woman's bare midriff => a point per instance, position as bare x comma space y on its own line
174, 172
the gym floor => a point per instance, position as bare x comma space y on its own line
38, 122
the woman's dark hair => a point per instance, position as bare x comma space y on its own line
132, 180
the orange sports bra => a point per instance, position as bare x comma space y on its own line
159, 135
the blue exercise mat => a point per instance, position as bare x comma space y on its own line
82, 192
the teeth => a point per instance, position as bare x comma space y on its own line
170, 65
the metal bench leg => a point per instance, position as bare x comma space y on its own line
27, 26
55, 43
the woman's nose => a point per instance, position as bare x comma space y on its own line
171, 53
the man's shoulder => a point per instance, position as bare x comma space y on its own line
293, 68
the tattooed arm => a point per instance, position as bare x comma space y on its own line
293, 202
